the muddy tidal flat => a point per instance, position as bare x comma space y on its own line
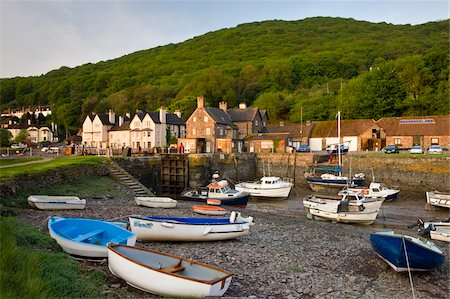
286, 255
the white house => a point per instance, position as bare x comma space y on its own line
96, 127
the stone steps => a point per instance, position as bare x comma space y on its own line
127, 180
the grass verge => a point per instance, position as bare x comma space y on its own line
31, 169
82, 187
33, 266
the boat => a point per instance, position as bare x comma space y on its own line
50, 202
165, 274
219, 190
406, 253
335, 147
156, 202
374, 190
438, 230
436, 198
87, 237
352, 198
344, 211
190, 229
267, 187
209, 210
214, 202
335, 180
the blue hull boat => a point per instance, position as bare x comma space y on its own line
87, 237
404, 252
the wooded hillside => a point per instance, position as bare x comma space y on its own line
367, 70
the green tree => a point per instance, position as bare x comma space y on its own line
22, 136
5, 137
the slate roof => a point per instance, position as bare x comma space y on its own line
124, 127
238, 114
267, 136
352, 127
416, 125
292, 128
173, 119
220, 116
155, 117
104, 118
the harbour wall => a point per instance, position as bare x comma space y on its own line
420, 173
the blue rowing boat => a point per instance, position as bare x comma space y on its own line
87, 237
403, 252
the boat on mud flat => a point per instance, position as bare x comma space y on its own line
190, 229
156, 202
165, 274
267, 187
345, 211
406, 253
218, 190
352, 198
440, 199
436, 230
87, 237
53, 202
375, 190
209, 210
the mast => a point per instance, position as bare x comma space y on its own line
339, 142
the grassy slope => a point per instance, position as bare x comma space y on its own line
4, 162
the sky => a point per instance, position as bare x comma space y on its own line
39, 36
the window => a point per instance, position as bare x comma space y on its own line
256, 122
397, 141
434, 141
208, 131
205, 119
195, 119
194, 131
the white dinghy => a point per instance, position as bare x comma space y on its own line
49, 202
156, 202
166, 275
440, 199
438, 230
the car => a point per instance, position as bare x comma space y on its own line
53, 150
303, 148
44, 149
435, 149
416, 149
18, 146
391, 149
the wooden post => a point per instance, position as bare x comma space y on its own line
295, 165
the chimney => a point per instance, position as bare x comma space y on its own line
112, 116
223, 106
242, 105
162, 115
178, 113
200, 102
120, 120
29, 122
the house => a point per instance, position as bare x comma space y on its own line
297, 133
96, 127
36, 133
360, 134
176, 125
248, 120
267, 142
145, 130
19, 112
417, 130
210, 130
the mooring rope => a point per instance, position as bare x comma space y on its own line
409, 269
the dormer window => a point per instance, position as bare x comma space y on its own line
256, 122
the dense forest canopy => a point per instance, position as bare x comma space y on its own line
366, 70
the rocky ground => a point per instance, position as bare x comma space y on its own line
286, 255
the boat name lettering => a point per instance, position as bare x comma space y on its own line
139, 224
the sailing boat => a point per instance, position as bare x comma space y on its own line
332, 181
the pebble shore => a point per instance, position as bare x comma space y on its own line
284, 256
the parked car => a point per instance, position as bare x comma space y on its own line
53, 150
416, 149
435, 149
304, 148
18, 146
391, 149
44, 149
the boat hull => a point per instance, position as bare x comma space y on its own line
46, 202
148, 273
69, 232
419, 256
280, 193
156, 202
439, 230
240, 201
187, 229
209, 210
438, 199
